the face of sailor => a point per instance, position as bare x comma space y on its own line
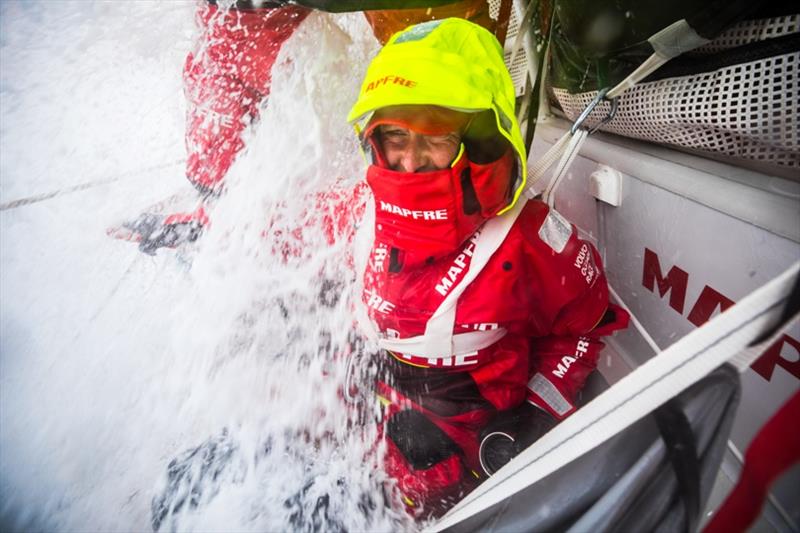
406, 150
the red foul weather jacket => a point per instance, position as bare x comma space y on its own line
544, 285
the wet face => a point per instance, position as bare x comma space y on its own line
406, 150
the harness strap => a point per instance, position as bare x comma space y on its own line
677, 433
439, 341
570, 153
461, 344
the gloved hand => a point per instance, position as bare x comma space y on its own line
157, 231
511, 432
159, 234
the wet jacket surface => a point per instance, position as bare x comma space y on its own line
544, 285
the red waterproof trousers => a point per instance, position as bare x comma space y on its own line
225, 80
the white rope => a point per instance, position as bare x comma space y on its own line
650, 65
537, 170
570, 153
681, 365
636, 324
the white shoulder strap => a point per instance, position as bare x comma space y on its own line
438, 341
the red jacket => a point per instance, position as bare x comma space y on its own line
544, 285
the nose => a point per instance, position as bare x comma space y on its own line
415, 157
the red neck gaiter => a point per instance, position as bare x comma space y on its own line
433, 213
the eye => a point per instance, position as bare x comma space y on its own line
393, 132
394, 137
450, 138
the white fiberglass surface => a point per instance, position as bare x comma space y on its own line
113, 362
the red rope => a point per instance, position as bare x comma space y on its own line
772, 451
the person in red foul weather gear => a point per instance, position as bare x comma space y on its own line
489, 307
227, 78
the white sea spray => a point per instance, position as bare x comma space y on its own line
113, 362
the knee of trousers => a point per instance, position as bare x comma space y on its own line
426, 464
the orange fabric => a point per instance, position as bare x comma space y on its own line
388, 22
425, 119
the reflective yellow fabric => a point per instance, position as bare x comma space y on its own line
451, 63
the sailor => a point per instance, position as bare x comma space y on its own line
488, 306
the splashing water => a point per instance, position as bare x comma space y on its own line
209, 388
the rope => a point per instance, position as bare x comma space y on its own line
82, 186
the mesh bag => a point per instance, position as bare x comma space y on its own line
519, 68
736, 96
751, 31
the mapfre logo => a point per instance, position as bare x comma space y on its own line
390, 80
438, 214
458, 266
